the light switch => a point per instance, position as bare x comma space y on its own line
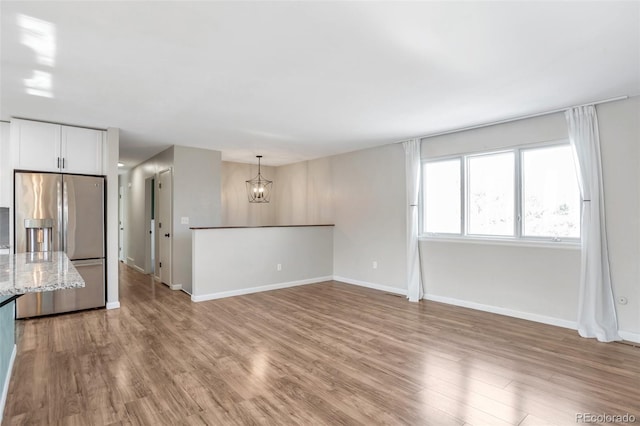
184, 220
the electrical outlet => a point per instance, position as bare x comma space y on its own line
279, 267
375, 264
184, 220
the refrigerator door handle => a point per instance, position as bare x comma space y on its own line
88, 262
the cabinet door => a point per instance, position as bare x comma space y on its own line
82, 150
6, 177
35, 145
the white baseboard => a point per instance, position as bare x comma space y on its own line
185, 291
175, 286
170, 285
504, 311
629, 336
385, 288
626, 335
130, 261
113, 305
240, 292
7, 380
137, 268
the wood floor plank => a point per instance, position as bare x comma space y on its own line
320, 354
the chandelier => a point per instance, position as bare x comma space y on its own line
259, 188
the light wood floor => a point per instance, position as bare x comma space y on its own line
326, 353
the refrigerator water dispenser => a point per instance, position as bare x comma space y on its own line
39, 234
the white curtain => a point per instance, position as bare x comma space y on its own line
412, 167
596, 309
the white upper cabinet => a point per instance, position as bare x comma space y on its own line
35, 145
49, 147
82, 150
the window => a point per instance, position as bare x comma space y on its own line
441, 183
491, 197
550, 193
528, 193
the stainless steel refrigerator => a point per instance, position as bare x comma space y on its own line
60, 212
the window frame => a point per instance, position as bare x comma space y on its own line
518, 237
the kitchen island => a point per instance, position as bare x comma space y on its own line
35, 273
27, 273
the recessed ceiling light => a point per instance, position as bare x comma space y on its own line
120, 164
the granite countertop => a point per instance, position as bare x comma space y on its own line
37, 272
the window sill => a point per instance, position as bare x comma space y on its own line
563, 245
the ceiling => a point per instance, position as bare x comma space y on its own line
301, 80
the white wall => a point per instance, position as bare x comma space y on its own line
304, 192
620, 144
540, 129
110, 157
369, 211
534, 283
543, 282
196, 196
229, 262
236, 209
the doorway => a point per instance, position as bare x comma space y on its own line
121, 199
164, 231
149, 221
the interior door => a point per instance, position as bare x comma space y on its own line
121, 224
148, 216
164, 226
